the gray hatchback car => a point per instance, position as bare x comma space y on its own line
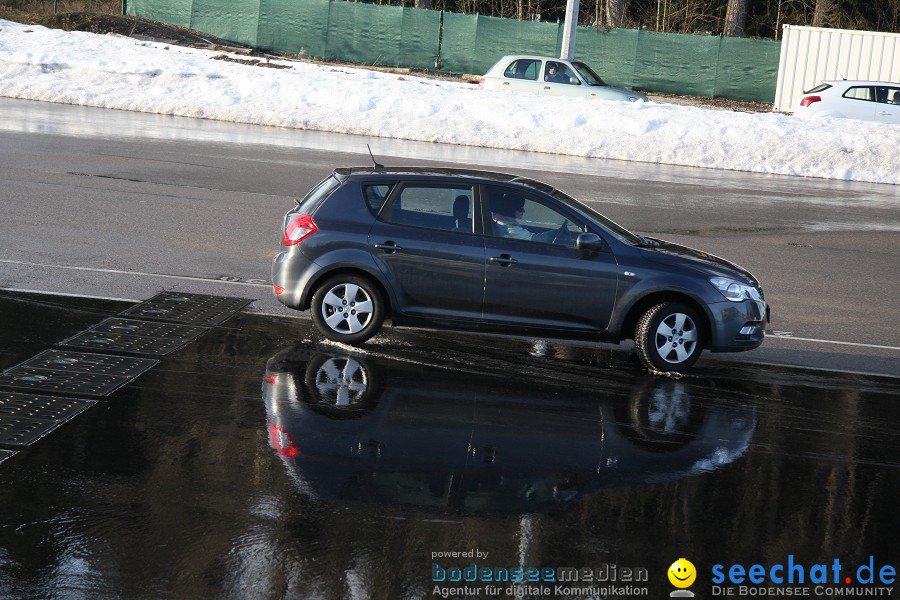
497, 253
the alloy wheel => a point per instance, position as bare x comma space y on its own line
347, 308
676, 338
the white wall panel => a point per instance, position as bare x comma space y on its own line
812, 54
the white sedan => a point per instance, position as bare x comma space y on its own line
551, 77
866, 100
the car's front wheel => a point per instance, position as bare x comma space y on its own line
348, 309
669, 337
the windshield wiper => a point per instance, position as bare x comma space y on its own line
647, 242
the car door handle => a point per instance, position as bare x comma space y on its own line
504, 260
884, 113
546, 87
388, 247
505, 83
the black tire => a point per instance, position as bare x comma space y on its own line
675, 349
348, 293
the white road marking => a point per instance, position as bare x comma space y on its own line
818, 341
780, 335
120, 272
67, 294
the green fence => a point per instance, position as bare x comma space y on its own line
711, 66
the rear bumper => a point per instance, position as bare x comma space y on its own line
738, 326
293, 272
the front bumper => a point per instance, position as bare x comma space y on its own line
738, 326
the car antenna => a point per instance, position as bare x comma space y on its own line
377, 165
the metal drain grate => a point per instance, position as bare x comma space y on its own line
132, 344
75, 372
154, 329
93, 364
45, 408
4, 454
59, 381
192, 309
21, 432
149, 338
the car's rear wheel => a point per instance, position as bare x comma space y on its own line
669, 337
348, 309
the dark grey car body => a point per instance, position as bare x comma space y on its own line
476, 280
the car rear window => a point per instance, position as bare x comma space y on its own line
819, 88
312, 200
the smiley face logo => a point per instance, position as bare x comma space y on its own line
682, 573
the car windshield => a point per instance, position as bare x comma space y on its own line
588, 74
619, 232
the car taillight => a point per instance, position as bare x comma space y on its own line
481, 83
282, 441
278, 289
809, 100
298, 229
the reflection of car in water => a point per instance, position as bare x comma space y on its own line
373, 429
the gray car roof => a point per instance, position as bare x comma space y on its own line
440, 173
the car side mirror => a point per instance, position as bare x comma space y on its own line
574, 81
589, 241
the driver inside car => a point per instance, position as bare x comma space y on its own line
506, 214
557, 73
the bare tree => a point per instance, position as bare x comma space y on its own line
822, 14
615, 13
689, 16
735, 18
423, 4
887, 15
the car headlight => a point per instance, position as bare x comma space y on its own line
735, 290
632, 98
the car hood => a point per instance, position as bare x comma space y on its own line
669, 253
622, 91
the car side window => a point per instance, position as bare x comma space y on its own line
520, 215
446, 207
866, 93
376, 195
557, 72
889, 95
523, 69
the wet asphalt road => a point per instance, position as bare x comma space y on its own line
119, 205
260, 462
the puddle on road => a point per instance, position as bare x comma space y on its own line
247, 464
